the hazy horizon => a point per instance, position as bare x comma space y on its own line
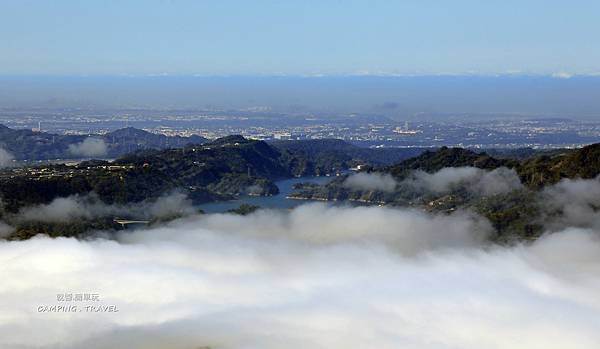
402, 60
486, 97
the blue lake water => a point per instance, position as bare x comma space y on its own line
286, 187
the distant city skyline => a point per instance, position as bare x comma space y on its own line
299, 38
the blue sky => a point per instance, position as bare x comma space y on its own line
243, 37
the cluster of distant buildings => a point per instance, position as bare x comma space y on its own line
506, 133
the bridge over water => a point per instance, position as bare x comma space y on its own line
126, 222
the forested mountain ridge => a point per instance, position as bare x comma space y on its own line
216, 170
431, 161
543, 170
30, 145
328, 151
506, 191
220, 169
231, 166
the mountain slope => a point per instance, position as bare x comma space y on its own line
514, 212
30, 145
432, 161
338, 154
217, 170
543, 170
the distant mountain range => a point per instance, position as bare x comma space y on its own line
30, 145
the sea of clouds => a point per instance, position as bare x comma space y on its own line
316, 276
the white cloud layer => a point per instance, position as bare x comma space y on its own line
77, 207
313, 277
90, 147
571, 203
562, 75
371, 181
478, 181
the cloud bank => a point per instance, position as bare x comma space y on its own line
90, 147
317, 276
77, 207
571, 203
371, 181
478, 181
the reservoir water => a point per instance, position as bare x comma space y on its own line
286, 187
